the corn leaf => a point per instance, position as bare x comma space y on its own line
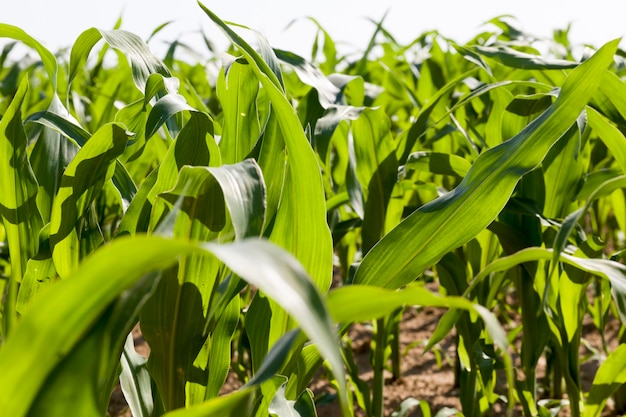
18, 208
610, 135
47, 58
300, 226
64, 315
82, 180
135, 381
174, 321
516, 59
404, 253
376, 170
143, 62
236, 404
18, 187
237, 89
609, 377
354, 304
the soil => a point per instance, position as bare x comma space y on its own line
425, 376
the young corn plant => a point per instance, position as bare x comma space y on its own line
211, 202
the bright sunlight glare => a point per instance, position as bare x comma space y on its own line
349, 22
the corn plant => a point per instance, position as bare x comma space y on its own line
212, 202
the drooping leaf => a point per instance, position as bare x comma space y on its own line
310, 75
64, 315
143, 62
47, 58
357, 303
516, 59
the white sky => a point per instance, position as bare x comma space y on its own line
57, 23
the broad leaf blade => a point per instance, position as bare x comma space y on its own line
47, 58
18, 207
237, 89
410, 248
300, 225
609, 377
82, 180
64, 314
18, 187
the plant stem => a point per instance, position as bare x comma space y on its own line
395, 344
379, 367
10, 312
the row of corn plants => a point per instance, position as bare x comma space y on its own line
213, 202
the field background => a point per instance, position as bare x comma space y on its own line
281, 219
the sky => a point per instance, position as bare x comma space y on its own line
58, 23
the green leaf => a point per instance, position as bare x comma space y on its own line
47, 58
237, 404
405, 252
572, 219
570, 294
516, 59
40, 273
18, 187
563, 167
135, 381
166, 107
220, 351
610, 135
193, 146
143, 62
285, 281
355, 303
244, 193
237, 89
438, 163
18, 208
81, 49
172, 322
303, 406
376, 170
311, 75
300, 225
419, 127
82, 180
90, 369
63, 124
610, 99
57, 119
157, 84
275, 358
612, 271
51, 154
273, 162
609, 377
67, 312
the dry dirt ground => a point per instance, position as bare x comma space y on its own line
428, 377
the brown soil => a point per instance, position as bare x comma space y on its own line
425, 376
